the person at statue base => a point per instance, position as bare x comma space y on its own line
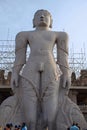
74, 127
24, 127
39, 79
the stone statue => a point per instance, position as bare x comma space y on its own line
36, 81
39, 78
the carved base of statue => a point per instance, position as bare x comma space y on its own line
68, 112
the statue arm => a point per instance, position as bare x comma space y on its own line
62, 57
20, 58
20, 52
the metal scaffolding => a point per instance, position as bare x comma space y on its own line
77, 61
7, 55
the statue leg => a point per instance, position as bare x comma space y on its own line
30, 111
29, 104
50, 107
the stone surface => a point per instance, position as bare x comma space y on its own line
68, 112
81, 80
40, 94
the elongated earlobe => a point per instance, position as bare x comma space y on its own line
34, 23
51, 21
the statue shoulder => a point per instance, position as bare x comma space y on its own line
62, 41
62, 35
21, 38
22, 35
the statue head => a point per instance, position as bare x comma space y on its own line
42, 18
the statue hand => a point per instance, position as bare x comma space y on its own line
65, 80
14, 81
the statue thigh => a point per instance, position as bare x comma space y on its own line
28, 100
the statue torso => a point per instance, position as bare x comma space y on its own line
41, 56
41, 41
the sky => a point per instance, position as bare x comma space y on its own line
68, 15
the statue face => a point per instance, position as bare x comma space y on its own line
42, 19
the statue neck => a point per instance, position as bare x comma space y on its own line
42, 28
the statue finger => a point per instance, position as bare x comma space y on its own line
64, 83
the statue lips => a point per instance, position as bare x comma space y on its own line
42, 22
41, 19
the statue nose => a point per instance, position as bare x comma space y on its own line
42, 16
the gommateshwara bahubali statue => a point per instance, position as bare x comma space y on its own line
37, 98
